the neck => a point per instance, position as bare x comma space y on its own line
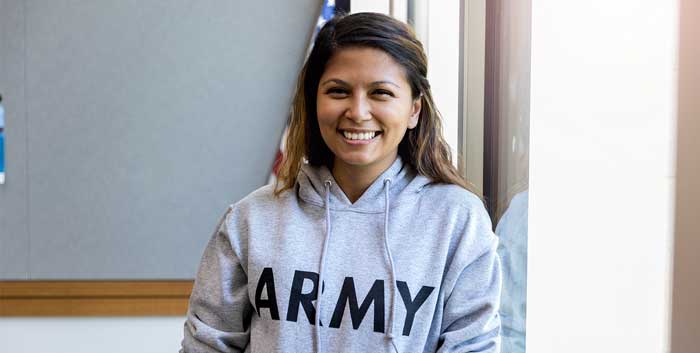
354, 180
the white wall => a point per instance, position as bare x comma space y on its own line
90, 335
443, 66
381, 6
601, 175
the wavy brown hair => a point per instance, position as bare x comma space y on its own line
423, 147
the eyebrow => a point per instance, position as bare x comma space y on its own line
341, 82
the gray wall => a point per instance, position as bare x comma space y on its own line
131, 125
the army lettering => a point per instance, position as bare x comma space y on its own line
348, 297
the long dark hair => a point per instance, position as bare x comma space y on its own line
423, 147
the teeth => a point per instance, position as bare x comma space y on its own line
359, 136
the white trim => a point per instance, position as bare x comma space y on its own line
472, 54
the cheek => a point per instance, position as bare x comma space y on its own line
325, 112
395, 118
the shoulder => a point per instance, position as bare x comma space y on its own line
260, 196
473, 227
253, 210
455, 197
262, 200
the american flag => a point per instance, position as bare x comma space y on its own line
327, 12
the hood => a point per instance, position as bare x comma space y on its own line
405, 186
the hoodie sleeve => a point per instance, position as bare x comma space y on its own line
219, 313
470, 320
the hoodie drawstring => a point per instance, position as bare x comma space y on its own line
319, 287
392, 314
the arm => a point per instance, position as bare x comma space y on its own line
219, 313
470, 319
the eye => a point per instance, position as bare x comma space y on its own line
336, 91
383, 92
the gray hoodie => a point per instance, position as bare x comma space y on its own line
411, 266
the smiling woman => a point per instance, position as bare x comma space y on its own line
364, 108
368, 212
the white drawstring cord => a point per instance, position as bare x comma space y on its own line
319, 288
390, 331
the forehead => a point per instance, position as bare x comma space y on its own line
362, 64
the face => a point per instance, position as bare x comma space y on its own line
364, 107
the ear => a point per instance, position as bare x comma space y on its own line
415, 112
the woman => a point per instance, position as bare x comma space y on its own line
377, 214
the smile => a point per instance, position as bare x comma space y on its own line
359, 137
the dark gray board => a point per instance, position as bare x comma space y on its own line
144, 120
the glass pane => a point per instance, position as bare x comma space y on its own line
506, 154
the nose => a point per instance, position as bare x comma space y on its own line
359, 109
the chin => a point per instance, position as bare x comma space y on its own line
357, 161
